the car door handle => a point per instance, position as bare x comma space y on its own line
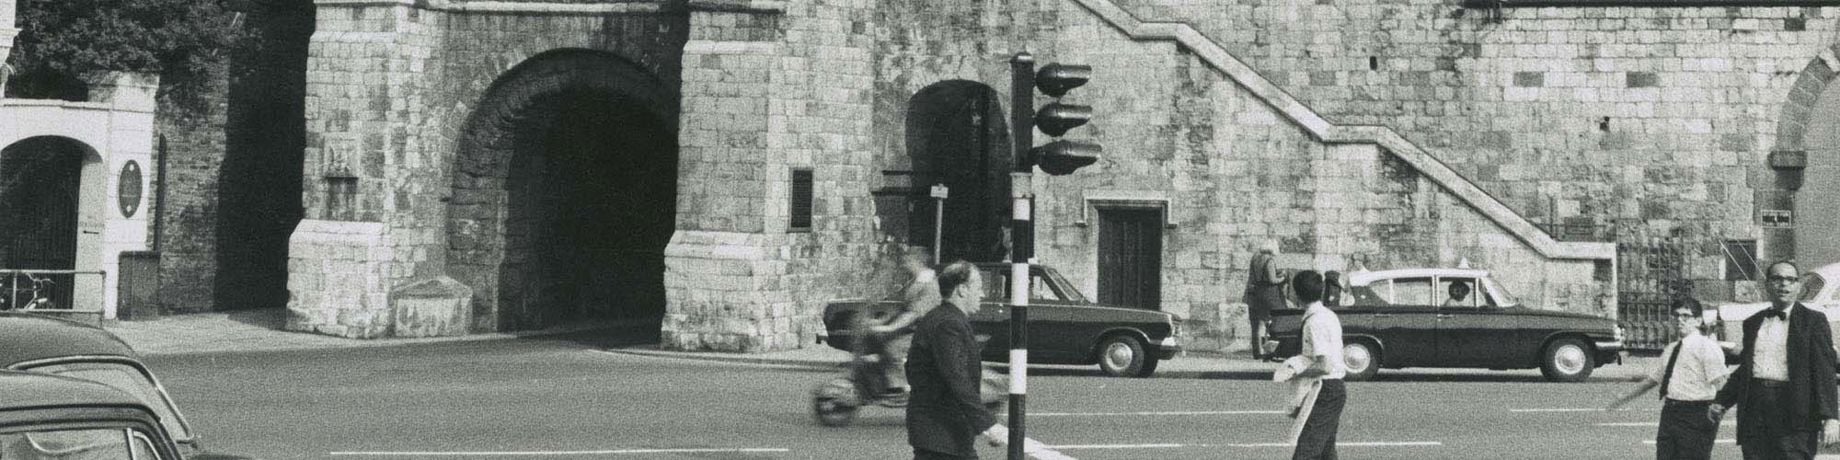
1382, 315
1443, 316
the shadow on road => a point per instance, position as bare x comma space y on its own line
604, 335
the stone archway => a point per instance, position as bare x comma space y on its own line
564, 193
957, 135
1803, 171
51, 207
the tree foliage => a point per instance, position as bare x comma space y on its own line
178, 39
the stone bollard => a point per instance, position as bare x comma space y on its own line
435, 307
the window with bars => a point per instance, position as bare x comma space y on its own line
800, 211
341, 198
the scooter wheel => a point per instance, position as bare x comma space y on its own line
832, 412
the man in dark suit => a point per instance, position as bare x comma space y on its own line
945, 415
1785, 377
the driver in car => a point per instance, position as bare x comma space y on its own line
1459, 295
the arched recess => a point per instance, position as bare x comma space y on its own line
564, 193
1803, 171
957, 135
52, 193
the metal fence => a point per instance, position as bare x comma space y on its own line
47, 292
1652, 276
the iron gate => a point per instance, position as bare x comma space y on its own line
1652, 276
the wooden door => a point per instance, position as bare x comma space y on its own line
1131, 257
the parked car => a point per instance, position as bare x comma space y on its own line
46, 345
46, 417
1820, 291
1064, 328
1406, 318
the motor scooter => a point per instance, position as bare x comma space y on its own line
865, 383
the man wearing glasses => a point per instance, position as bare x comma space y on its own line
1694, 371
1785, 377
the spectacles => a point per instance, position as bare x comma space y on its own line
1783, 279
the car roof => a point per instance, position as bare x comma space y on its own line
1362, 278
30, 337
30, 389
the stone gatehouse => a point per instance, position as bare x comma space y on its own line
723, 167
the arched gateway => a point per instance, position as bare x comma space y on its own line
564, 192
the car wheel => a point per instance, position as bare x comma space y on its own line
834, 402
1362, 360
1567, 360
1122, 356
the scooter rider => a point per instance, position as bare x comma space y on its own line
919, 296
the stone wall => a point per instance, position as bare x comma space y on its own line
189, 147
769, 89
1656, 120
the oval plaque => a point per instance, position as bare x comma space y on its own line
128, 189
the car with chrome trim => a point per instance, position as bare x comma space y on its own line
46, 345
1064, 327
45, 417
1414, 318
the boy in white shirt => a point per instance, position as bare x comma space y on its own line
1322, 346
1691, 377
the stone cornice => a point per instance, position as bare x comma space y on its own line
1217, 56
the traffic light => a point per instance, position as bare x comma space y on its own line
1060, 157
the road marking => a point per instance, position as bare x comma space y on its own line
1650, 424
530, 453
1109, 414
1589, 409
1247, 445
1715, 441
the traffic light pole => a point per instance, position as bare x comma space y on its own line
1022, 245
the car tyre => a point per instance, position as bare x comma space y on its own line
1567, 360
1362, 359
1124, 356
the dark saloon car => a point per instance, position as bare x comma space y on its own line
1408, 318
47, 417
1064, 328
45, 345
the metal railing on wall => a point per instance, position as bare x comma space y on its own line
47, 292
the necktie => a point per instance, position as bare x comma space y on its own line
1669, 374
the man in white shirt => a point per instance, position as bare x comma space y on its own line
1691, 377
1322, 346
1785, 376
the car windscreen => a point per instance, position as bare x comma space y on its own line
1498, 295
128, 378
1811, 286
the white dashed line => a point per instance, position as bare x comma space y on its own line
1591, 409
1245, 445
534, 453
1715, 441
1111, 414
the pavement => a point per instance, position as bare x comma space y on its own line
261, 330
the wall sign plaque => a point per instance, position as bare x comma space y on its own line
128, 188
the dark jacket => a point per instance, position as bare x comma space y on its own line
945, 414
1811, 390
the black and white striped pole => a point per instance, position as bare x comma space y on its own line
1060, 157
1022, 98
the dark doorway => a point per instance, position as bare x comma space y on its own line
40, 180
590, 205
957, 136
1131, 257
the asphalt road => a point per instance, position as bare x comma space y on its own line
563, 398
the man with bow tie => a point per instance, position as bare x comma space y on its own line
1785, 377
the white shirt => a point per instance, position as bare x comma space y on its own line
1771, 359
1322, 336
1698, 374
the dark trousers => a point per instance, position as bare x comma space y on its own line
1318, 438
923, 454
1687, 430
1767, 435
